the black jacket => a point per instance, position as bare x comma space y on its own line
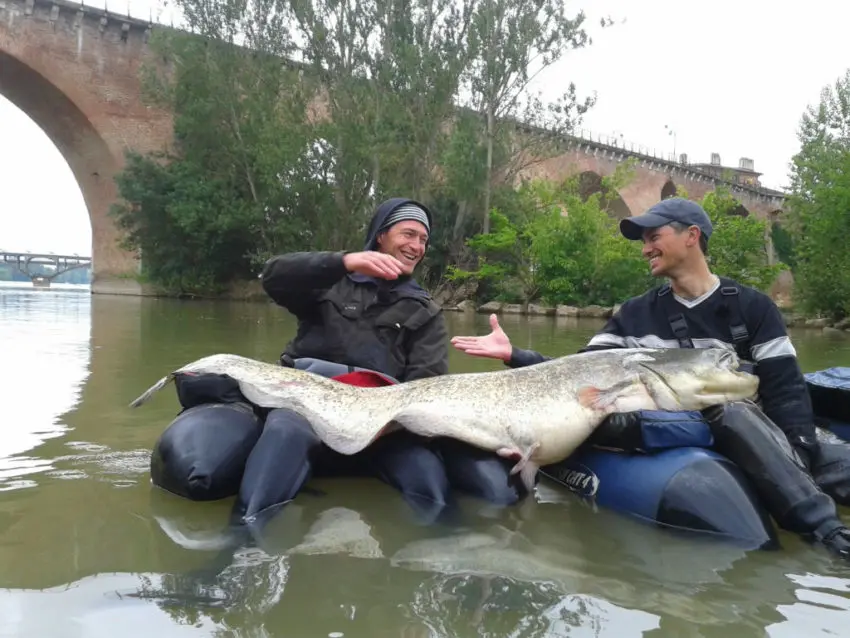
391, 326
644, 322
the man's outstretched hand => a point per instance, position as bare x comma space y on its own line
373, 264
495, 345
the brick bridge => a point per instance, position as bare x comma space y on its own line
75, 71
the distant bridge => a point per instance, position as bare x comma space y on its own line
26, 262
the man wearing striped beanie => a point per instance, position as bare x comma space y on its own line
364, 309
355, 311
399, 232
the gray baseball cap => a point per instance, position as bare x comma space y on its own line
675, 209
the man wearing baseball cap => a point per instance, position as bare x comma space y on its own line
698, 309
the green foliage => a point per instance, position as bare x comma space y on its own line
558, 247
248, 176
190, 229
507, 258
783, 244
583, 257
562, 246
737, 248
819, 204
273, 173
390, 73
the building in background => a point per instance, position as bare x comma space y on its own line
745, 174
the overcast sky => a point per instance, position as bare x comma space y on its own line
731, 77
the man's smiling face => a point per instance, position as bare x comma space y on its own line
667, 249
406, 241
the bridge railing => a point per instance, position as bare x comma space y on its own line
22, 262
618, 141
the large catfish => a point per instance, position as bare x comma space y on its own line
537, 415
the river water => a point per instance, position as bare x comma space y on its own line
88, 548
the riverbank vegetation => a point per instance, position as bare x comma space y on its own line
557, 246
818, 214
382, 98
431, 100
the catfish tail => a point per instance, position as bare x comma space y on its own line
156, 387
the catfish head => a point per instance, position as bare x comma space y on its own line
692, 378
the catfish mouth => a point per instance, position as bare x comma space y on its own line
731, 382
717, 386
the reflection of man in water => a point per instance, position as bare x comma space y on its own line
699, 309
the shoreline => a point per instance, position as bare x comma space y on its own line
792, 319
251, 291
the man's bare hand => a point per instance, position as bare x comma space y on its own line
495, 345
373, 264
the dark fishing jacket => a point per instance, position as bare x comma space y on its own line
391, 326
732, 316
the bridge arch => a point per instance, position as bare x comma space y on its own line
74, 70
590, 183
740, 211
668, 190
76, 138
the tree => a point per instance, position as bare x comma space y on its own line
388, 71
783, 243
292, 119
245, 177
737, 248
513, 42
190, 228
584, 259
560, 247
819, 210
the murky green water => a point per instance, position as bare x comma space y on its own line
88, 548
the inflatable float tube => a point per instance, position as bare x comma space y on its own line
830, 393
690, 488
201, 456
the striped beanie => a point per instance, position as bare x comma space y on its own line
406, 212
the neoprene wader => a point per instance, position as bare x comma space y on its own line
745, 435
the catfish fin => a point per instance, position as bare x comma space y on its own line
525, 467
602, 399
528, 475
156, 387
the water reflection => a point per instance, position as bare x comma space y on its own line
818, 601
46, 358
81, 608
94, 542
547, 569
374, 574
